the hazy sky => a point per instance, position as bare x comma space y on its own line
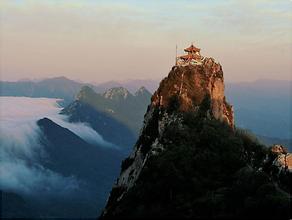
113, 40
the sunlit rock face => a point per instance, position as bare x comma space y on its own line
192, 84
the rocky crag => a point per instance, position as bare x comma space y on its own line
190, 161
185, 88
193, 84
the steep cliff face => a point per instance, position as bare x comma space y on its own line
194, 88
192, 84
189, 159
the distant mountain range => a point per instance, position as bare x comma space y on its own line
59, 87
131, 85
263, 106
67, 89
116, 114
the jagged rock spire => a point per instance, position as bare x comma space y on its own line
192, 84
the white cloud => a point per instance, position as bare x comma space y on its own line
20, 114
17, 176
20, 151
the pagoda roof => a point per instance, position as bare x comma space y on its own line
192, 48
189, 56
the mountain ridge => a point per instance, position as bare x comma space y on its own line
116, 114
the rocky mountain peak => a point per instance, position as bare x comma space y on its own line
191, 85
117, 93
189, 159
85, 93
142, 91
196, 89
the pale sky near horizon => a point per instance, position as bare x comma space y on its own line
97, 41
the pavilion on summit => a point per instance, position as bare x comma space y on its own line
192, 56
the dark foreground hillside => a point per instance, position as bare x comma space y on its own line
208, 170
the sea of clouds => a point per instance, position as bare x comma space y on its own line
20, 151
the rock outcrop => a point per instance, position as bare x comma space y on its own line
117, 93
192, 84
280, 158
189, 87
189, 159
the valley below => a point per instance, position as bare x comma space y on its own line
49, 166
